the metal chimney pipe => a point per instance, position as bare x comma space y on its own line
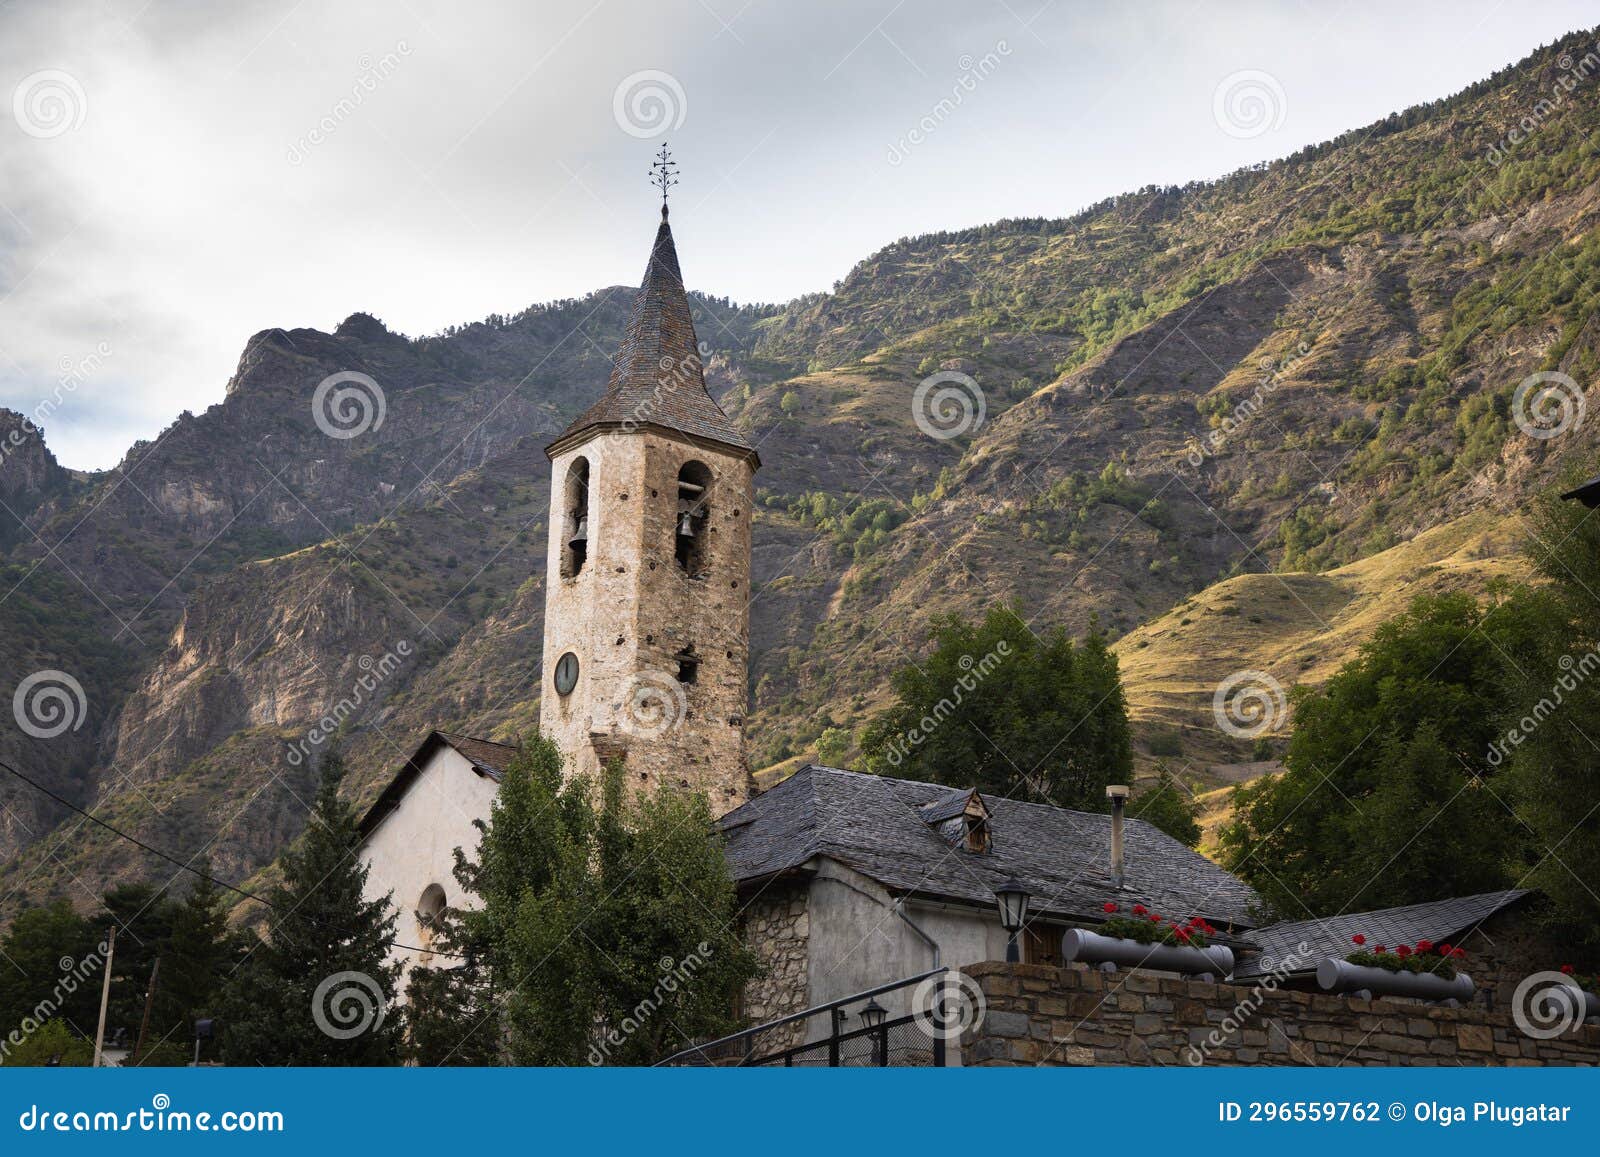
1117, 793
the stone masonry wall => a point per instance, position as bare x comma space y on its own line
632, 609
1040, 1015
778, 931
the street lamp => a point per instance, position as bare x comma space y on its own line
872, 1015
1013, 899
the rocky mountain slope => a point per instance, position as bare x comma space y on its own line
1257, 382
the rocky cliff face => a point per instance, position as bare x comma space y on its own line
1291, 369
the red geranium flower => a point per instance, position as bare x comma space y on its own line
1140, 910
1568, 969
1424, 945
1445, 950
1181, 933
1358, 938
1109, 906
1154, 919
1380, 950
1459, 952
1402, 951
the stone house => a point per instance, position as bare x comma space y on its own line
852, 880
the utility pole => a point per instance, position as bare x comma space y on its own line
105, 996
149, 999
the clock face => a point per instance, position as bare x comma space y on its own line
566, 673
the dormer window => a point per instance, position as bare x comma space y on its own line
975, 829
692, 515
961, 818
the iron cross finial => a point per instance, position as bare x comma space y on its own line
664, 174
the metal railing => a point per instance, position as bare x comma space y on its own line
902, 1041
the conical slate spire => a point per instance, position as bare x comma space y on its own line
657, 377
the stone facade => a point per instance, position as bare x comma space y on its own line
778, 930
1039, 1015
638, 620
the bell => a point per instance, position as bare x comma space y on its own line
685, 525
581, 534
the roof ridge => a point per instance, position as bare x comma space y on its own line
985, 794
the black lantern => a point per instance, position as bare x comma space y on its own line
1013, 899
872, 1014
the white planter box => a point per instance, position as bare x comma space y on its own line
1334, 975
1570, 995
1093, 948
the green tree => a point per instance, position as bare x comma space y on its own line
324, 932
1386, 793
50, 969
52, 1043
451, 1015
997, 707
142, 915
609, 919
194, 964
1551, 725
1169, 806
832, 746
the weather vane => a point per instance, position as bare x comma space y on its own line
664, 174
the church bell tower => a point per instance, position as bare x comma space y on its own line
646, 627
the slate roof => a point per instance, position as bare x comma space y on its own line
1442, 921
487, 758
657, 378
875, 825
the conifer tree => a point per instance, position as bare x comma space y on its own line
195, 962
319, 989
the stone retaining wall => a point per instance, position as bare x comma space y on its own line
1041, 1015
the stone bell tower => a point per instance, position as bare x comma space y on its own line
646, 626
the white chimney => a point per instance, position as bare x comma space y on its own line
1117, 793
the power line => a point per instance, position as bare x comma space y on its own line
196, 871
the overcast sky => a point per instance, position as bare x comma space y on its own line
174, 178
